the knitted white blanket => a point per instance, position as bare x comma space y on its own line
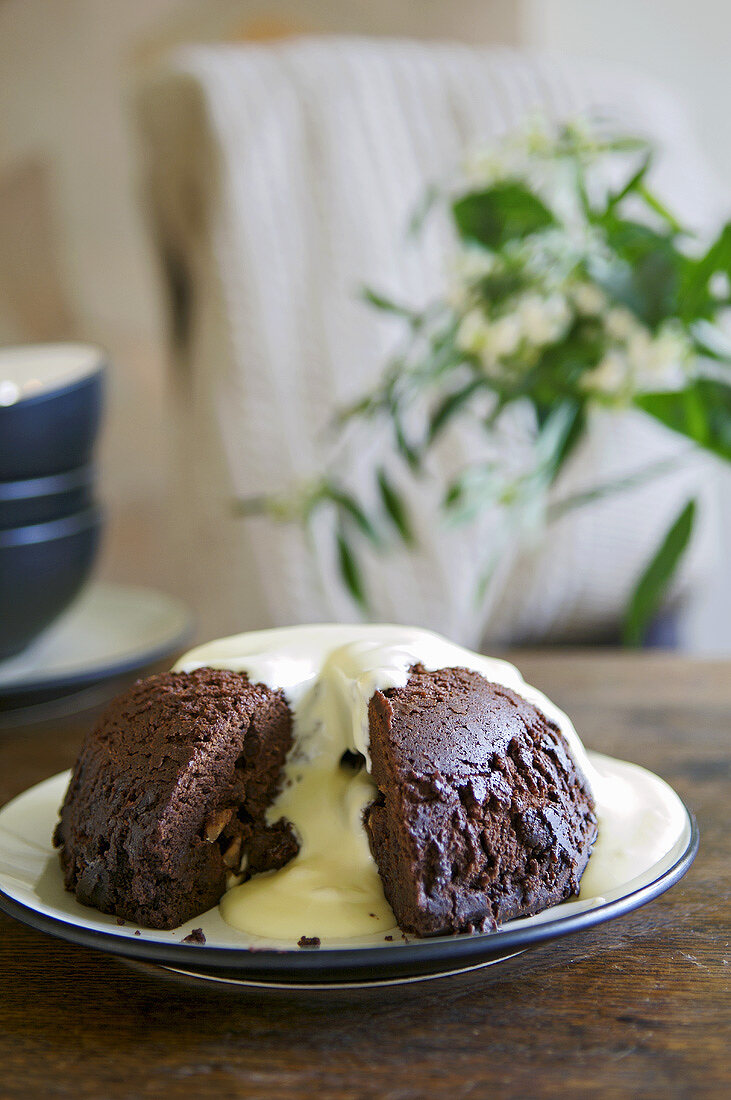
282, 179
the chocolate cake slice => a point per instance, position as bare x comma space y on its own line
482, 814
169, 796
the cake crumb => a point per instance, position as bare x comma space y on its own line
137, 932
120, 920
389, 938
196, 936
308, 941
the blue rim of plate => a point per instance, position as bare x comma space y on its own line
361, 964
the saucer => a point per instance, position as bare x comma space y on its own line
110, 630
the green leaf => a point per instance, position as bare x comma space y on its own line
395, 508
423, 209
702, 412
501, 213
406, 449
561, 426
365, 407
559, 368
472, 491
559, 508
623, 145
353, 511
659, 208
454, 493
572, 435
349, 570
501, 285
444, 356
385, 304
694, 298
632, 184
653, 269
653, 585
582, 192
655, 277
636, 185
450, 406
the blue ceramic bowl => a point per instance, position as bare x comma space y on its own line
50, 408
42, 567
42, 499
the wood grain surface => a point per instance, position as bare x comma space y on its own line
636, 1008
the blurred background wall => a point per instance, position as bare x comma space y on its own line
76, 260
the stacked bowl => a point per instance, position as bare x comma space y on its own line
50, 408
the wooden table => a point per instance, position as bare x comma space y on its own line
635, 1008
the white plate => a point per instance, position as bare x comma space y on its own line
31, 889
110, 629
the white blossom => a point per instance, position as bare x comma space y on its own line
549, 267
538, 137
490, 341
510, 160
544, 320
638, 348
622, 325
473, 264
505, 336
589, 300
483, 167
612, 377
661, 362
671, 344
470, 265
641, 363
472, 334
720, 286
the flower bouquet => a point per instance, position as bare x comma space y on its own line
572, 288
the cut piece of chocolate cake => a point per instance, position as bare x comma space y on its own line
169, 796
482, 814
475, 812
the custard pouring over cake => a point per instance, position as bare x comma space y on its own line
334, 781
